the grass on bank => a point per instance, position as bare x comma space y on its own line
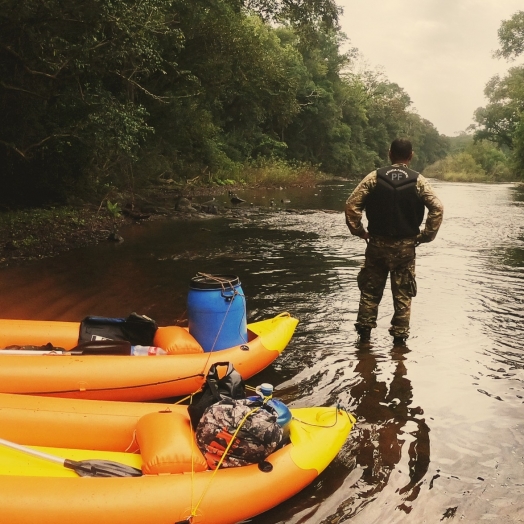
269, 173
38, 233
463, 167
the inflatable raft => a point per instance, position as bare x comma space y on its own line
156, 439
65, 373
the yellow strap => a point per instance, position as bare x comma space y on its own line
194, 511
185, 398
193, 443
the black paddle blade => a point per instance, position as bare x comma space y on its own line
101, 468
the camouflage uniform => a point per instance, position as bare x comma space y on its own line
389, 256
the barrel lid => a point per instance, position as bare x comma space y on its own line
205, 281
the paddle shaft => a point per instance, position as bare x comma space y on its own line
34, 452
90, 468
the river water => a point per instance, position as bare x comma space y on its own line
440, 428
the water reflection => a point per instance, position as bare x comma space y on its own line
389, 427
389, 449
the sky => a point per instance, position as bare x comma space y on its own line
439, 51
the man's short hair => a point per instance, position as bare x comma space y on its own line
400, 149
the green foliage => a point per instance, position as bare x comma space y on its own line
518, 150
498, 121
114, 209
502, 120
298, 12
22, 230
276, 172
492, 160
460, 167
71, 86
122, 94
479, 162
460, 142
511, 36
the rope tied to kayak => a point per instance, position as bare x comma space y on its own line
338, 408
206, 489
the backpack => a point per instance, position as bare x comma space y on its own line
259, 434
215, 389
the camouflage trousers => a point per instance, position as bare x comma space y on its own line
395, 258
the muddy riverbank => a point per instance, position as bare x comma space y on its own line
35, 234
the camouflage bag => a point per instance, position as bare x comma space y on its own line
258, 436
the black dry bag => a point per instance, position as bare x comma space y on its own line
230, 385
139, 330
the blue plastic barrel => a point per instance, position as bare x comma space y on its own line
216, 311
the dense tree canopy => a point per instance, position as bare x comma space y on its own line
113, 93
502, 120
511, 36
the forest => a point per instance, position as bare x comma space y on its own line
107, 95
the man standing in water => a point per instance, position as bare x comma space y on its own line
394, 198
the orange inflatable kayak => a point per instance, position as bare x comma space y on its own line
155, 440
129, 378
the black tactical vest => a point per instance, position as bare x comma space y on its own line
393, 208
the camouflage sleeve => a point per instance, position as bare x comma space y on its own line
356, 202
435, 210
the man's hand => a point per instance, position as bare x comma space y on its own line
421, 239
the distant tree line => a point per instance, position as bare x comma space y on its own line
101, 94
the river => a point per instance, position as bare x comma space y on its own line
440, 432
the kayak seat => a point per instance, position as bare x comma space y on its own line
176, 340
168, 445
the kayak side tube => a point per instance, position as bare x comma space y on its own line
225, 497
130, 378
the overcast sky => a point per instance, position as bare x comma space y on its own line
439, 51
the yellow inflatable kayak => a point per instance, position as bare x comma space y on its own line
130, 378
156, 440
